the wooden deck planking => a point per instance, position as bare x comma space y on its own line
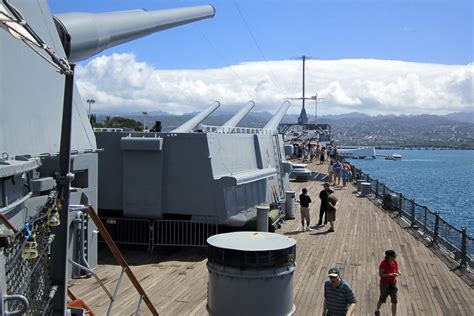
176, 280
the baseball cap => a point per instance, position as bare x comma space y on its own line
334, 272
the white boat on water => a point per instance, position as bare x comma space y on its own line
357, 152
393, 157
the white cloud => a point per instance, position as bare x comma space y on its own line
337, 95
119, 82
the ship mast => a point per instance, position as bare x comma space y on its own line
303, 118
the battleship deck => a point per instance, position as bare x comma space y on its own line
176, 278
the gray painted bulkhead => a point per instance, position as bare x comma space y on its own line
31, 103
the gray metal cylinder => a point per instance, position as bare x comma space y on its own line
365, 188
262, 218
251, 273
290, 205
359, 185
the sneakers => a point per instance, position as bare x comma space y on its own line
303, 229
377, 313
308, 229
330, 230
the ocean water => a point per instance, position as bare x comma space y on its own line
442, 180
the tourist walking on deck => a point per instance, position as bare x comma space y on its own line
312, 152
339, 299
337, 168
323, 196
346, 172
304, 152
336, 154
331, 171
388, 271
318, 152
331, 151
304, 208
331, 211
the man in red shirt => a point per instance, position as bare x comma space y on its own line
388, 271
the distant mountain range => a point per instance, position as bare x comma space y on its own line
452, 130
467, 117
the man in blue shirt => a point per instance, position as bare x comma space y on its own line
337, 167
339, 299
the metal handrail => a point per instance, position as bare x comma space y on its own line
121, 260
237, 130
96, 277
431, 223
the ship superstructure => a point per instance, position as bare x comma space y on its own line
48, 150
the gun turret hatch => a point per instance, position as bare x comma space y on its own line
234, 120
91, 33
278, 116
189, 125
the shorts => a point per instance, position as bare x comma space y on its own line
387, 289
304, 213
330, 215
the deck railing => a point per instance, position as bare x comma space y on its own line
160, 232
238, 130
428, 223
182, 233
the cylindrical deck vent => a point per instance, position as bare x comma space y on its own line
250, 273
262, 218
359, 185
365, 188
290, 205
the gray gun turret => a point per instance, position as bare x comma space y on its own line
91, 33
198, 118
234, 120
278, 116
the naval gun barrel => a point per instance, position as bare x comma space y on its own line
198, 118
91, 33
234, 120
278, 116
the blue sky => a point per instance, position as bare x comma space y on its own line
404, 57
421, 31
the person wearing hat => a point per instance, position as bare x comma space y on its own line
323, 196
339, 299
388, 271
304, 208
